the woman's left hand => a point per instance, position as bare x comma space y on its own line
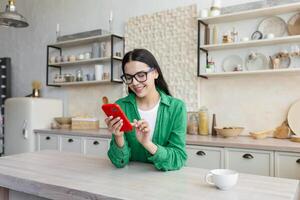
142, 130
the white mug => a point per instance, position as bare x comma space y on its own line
270, 36
224, 179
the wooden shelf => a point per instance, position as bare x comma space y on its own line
89, 61
270, 71
261, 12
81, 41
253, 43
82, 83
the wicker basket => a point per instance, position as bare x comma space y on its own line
85, 123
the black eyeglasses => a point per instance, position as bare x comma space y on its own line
139, 76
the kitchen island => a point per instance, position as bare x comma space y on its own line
62, 176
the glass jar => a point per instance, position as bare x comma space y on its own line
79, 75
192, 124
203, 121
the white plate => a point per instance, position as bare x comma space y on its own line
231, 62
294, 117
259, 62
274, 25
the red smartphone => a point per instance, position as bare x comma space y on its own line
115, 110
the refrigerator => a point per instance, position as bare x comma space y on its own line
22, 116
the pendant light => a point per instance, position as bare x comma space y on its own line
11, 17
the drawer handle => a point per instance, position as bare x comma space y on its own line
96, 143
248, 156
201, 153
48, 138
298, 161
70, 140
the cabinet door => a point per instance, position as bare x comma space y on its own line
71, 144
47, 141
250, 161
97, 147
287, 165
205, 157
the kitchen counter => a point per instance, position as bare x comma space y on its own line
234, 142
58, 175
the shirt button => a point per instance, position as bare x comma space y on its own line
122, 161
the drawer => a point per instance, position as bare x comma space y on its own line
287, 165
250, 161
97, 147
71, 144
48, 141
205, 157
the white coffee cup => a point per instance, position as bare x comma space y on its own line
224, 179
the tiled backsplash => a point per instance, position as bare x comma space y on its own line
171, 36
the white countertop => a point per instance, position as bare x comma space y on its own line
58, 175
234, 142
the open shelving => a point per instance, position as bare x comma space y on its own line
239, 16
59, 46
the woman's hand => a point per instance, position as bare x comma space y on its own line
114, 125
142, 130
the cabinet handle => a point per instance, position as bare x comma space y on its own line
70, 140
298, 161
48, 138
201, 153
248, 156
96, 143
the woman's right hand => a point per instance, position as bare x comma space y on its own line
114, 125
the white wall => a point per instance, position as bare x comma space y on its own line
255, 102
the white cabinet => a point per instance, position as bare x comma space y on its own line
71, 144
47, 141
250, 161
96, 146
205, 157
287, 165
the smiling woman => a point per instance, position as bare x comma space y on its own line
159, 119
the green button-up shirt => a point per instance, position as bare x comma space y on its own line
169, 135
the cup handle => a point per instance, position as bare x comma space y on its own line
208, 178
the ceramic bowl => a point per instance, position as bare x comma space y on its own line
63, 120
232, 131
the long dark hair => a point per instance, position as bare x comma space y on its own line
145, 56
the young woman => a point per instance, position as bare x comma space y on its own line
159, 120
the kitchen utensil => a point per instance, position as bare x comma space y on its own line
295, 138
224, 179
63, 120
293, 117
261, 134
293, 25
274, 25
257, 62
230, 63
229, 131
283, 131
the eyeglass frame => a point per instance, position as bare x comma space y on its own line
133, 76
